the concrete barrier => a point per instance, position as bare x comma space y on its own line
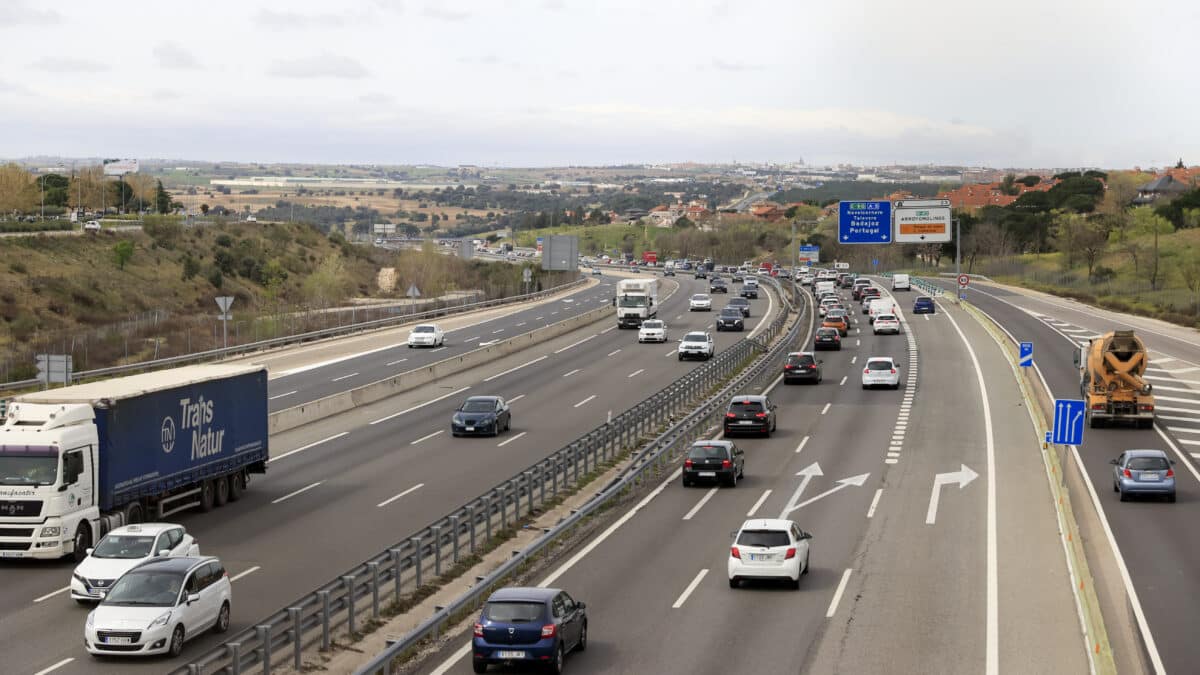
341, 402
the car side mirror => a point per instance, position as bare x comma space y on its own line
580, 605
193, 597
164, 552
806, 535
89, 551
1113, 462
820, 361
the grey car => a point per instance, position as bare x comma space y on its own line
1144, 472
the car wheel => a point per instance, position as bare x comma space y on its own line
686, 483
681, 357
222, 623
556, 666
734, 582
1124, 497
1115, 488
176, 647
806, 559
479, 666
83, 541
410, 346
582, 646
237, 485
222, 491
795, 584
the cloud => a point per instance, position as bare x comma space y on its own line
268, 18
13, 88
175, 57
481, 60
324, 65
164, 95
60, 64
554, 5
444, 14
15, 13
377, 98
735, 67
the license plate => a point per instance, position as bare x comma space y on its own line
760, 556
1149, 476
117, 641
509, 654
708, 474
745, 421
10, 554
470, 428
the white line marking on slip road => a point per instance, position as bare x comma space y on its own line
757, 504
409, 491
637, 372
826, 408
305, 447
700, 504
803, 442
272, 398
293, 494
473, 338
422, 405
392, 363
837, 595
427, 436
608, 329
690, 587
538, 318
436, 350
516, 398
875, 499
571, 373
585, 400
505, 442
51, 594
516, 368
246, 573
843, 382
613, 352
853, 359
54, 667
339, 379
575, 344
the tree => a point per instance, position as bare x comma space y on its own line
191, 267
162, 199
18, 191
204, 209
1030, 180
684, 223
122, 252
1121, 188
1092, 242
1189, 268
328, 284
1008, 186
1148, 223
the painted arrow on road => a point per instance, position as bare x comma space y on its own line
856, 481
963, 477
809, 472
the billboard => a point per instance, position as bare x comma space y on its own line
922, 221
120, 167
561, 253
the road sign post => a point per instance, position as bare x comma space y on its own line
224, 302
865, 222
1069, 418
1026, 359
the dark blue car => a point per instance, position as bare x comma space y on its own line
924, 305
529, 626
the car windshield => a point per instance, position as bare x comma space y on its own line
745, 407
124, 546
884, 317
424, 329
879, 365
695, 337
700, 296
732, 312
28, 464
805, 360
514, 612
479, 406
652, 324
827, 331
764, 538
148, 588
1148, 464
708, 452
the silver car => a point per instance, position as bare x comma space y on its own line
1143, 472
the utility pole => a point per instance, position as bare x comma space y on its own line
957, 258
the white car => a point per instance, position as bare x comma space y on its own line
700, 302
652, 330
881, 371
158, 605
91, 226
123, 549
769, 549
697, 344
886, 323
426, 335
823, 308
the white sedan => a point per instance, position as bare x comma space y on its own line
881, 371
769, 549
426, 335
652, 330
123, 549
700, 302
886, 323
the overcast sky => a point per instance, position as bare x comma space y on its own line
552, 82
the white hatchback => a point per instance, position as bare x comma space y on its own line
881, 371
700, 302
886, 323
652, 330
123, 549
768, 549
426, 335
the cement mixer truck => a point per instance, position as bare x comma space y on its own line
1110, 380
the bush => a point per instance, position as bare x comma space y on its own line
215, 278
18, 268
224, 240
1102, 273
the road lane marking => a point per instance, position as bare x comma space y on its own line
392, 363
436, 350
853, 359
422, 405
613, 352
330, 362
246, 573
608, 329
571, 373
690, 587
272, 398
700, 504
516, 398
409, 491
875, 499
803, 442
473, 338
1185, 430
858, 343
428, 436
673, 352
757, 504
515, 369
837, 595
538, 318
826, 408
54, 667
521, 324
505, 442
843, 380
305, 447
51, 594
637, 372
585, 400
554, 312
575, 344
344, 377
497, 331
293, 494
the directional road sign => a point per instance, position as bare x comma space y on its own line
1068, 422
1026, 354
810, 263
865, 222
923, 221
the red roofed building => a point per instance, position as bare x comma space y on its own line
977, 195
769, 211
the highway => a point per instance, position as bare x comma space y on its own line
1154, 539
975, 581
342, 489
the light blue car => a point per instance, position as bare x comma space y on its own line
1143, 472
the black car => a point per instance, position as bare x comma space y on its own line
721, 461
750, 291
742, 304
802, 367
750, 413
481, 416
701, 273
848, 282
717, 285
731, 318
828, 338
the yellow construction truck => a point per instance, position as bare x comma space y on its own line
1110, 379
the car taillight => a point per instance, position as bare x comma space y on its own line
866, 371
837, 338
1128, 473
791, 553
1146, 407
788, 367
1098, 406
725, 464
735, 553
729, 414
478, 630
1170, 473
760, 415
893, 371
549, 630
687, 463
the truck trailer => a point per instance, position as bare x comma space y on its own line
637, 300
1110, 380
79, 461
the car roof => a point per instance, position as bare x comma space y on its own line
180, 564
925, 298
715, 443
1146, 453
524, 593
826, 329
144, 528
881, 358
767, 524
801, 354
754, 398
483, 398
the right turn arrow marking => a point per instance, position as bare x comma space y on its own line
963, 477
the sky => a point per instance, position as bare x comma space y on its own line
1020, 83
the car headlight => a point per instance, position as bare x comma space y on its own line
458, 419
160, 621
51, 531
91, 620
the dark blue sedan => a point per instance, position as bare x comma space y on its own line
529, 626
924, 305
481, 416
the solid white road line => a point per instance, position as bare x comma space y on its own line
410, 490
843, 382
392, 363
609, 328
516, 398
700, 504
585, 400
571, 373
826, 408
515, 369
613, 352
758, 504
690, 587
803, 442
837, 595
302, 448
272, 398
1184, 430
575, 344
293, 494
422, 405
538, 318
637, 372
1187, 442
245, 573
51, 594
505, 442
339, 379
875, 499
330, 362
428, 436
54, 667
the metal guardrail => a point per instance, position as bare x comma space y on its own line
931, 289
358, 595
300, 338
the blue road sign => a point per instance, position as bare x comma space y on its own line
1026, 354
868, 222
809, 263
1069, 419
874, 262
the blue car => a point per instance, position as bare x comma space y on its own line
1144, 472
529, 626
924, 305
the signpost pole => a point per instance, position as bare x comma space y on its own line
957, 254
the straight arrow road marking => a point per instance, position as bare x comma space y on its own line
963, 477
856, 481
809, 472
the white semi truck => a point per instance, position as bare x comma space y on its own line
637, 300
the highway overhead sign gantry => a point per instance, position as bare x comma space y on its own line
923, 221
1068, 422
865, 222
1026, 359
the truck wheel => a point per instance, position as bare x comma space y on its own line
207, 496
133, 513
83, 541
222, 489
237, 485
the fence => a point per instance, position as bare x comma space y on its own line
356, 597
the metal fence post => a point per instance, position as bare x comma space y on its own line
542, 484
297, 652
487, 514
471, 517
374, 567
349, 579
395, 553
264, 639
437, 551
554, 476
235, 658
457, 530
324, 619
504, 506
416, 556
